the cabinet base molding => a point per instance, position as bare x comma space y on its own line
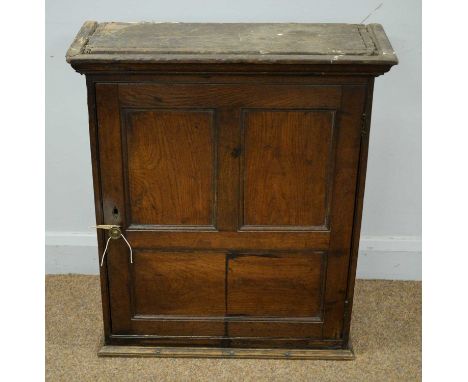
200, 352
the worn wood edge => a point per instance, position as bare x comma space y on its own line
308, 59
254, 68
203, 352
81, 39
386, 52
79, 59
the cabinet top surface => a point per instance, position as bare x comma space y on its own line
147, 42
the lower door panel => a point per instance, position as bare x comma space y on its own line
223, 296
275, 285
178, 284
275, 295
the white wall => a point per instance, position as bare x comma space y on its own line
391, 229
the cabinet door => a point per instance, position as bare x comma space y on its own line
238, 202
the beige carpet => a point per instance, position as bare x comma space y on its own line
386, 334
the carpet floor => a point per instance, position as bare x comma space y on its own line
385, 331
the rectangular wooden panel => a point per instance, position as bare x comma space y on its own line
171, 167
171, 283
287, 160
275, 285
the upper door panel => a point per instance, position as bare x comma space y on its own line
230, 166
171, 167
277, 150
286, 169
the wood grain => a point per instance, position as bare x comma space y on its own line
101, 237
346, 166
359, 202
228, 96
228, 240
286, 168
278, 285
270, 329
171, 167
249, 43
112, 198
186, 352
231, 38
171, 283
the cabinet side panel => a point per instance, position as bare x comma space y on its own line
342, 212
359, 203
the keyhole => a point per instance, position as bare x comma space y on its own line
235, 153
115, 213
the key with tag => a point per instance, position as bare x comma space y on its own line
114, 233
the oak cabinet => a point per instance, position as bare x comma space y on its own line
232, 159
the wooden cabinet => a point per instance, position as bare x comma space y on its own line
233, 159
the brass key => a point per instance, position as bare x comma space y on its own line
114, 230
114, 233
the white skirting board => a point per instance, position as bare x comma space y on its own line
380, 257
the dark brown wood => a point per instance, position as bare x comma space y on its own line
285, 172
93, 138
275, 285
159, 144
359, 201
173, 284
342, 208
238, 182
228, 96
